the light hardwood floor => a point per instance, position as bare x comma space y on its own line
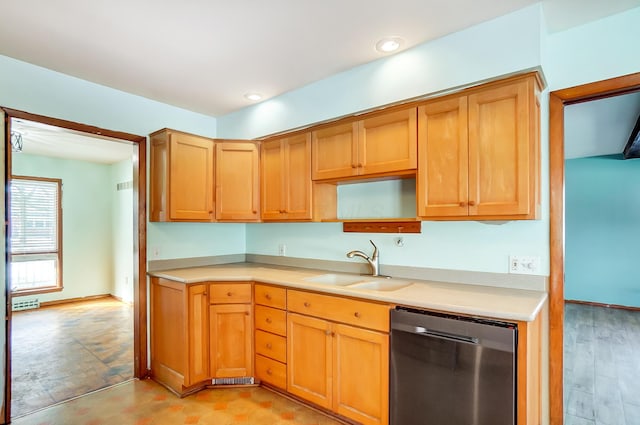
64, 351
601, 366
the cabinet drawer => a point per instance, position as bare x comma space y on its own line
272, 346
271, 371
271, 296
271, 320
230, 293
360, 313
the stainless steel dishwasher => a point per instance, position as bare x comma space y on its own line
451, 370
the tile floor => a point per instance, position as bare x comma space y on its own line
64, 351
147, 403
601, 366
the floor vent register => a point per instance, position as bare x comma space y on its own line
249, 380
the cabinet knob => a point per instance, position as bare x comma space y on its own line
357, 314
327, 332
268, 320
306, 304
354, 166
471, 203
267, 296
360, 165
229, 294
269, 372
269, 346
463, 204
254, 211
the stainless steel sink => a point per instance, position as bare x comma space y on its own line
336, 279
385, 285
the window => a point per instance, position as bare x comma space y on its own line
35, 235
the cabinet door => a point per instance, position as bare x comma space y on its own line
444, 160
231, 336
335, 151
198, 334
298, 177
190, 178
272, 172
237, 181
499, 151
361, 375
388, 142
309, 360
168, 333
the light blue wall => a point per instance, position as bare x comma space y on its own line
122, 230
502, 46
602, 230
86, 222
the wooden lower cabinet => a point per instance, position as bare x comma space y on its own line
231, 340
179, 334
339, 367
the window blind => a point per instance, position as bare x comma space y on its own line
34, 216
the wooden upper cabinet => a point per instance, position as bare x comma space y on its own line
181, 177
443, 185
335, 151
388, 142
501, 166
381, 144
237, 181
479, 153
286, 178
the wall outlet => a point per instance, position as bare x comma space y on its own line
155, 252
282, 250
523, 264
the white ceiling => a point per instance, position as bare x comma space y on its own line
600, 127
204, 55
46, 140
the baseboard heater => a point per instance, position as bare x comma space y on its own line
25, 305
247, 380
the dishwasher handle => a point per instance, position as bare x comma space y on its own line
419, 330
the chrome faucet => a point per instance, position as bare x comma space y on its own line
374, 261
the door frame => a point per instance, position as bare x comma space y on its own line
139, 242
557, 101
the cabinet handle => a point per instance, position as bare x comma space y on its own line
269, 345
463, 204
269, 372
354, 166
267, 296
327, 332
471, 203
306, 304
268, 320
254, 211
360, 165
229, 294
357, 314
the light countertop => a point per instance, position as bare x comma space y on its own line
476, 300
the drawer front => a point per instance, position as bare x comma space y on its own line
230, 293
271, 320
270, 296
272, 346
359, 313
271, 371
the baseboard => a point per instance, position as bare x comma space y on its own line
74, 300
594, 304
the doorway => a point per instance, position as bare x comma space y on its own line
557, 102
137, 219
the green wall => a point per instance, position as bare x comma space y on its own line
602, 230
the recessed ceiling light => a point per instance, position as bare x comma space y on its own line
254, 97
389, 44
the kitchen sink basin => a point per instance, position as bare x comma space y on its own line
336, 279
381, 285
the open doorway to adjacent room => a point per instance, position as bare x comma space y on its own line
73, 261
